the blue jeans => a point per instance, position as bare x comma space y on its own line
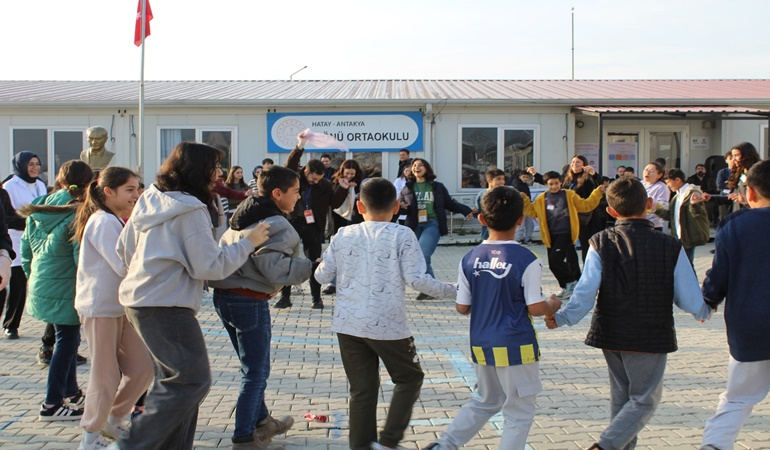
690, 252
428, 235
62, 373
247, 321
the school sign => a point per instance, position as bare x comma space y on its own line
360, 132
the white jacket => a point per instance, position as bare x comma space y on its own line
169, 250
22, 193
100, 271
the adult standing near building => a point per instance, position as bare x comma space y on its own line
11, 220
745, 155
583, 179
23, 187
736, 278
699, 177
686, 212
236, 182
403, 161
310, 214
426, 202
327, 162
97, 156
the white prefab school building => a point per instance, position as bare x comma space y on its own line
463, 127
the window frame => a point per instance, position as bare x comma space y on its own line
199, 130
500, 157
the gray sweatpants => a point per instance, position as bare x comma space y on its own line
636, 387
510, 389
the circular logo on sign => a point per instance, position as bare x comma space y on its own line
286, 132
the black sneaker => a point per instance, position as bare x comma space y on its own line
11, 334
77, 401
317, 304
59, 412
284, 302
329, 290
422, 296
44, 355
82, 360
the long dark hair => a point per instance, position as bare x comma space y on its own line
188, 169
429, 174
349, 164
570, 176
230, 181
749, 157
111, 177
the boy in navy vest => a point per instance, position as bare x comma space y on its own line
736, 273
639, 273
499, 282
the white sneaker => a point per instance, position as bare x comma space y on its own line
115, 430
93, 441
569, 289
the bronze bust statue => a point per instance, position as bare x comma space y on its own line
96, 155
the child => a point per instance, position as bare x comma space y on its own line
736, 277
499, 282
495, 177
639, 273
121, 367
169, 250
373, 262
48, 258
241, 300
557, 212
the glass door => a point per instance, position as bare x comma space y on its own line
668, 146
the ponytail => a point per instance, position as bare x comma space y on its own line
94, 198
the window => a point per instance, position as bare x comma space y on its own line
221, 138
485, 147
366, 160
57, 144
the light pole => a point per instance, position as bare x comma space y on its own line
291, 77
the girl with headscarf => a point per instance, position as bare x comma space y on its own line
23, 187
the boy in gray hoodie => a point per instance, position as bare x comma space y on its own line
241, 300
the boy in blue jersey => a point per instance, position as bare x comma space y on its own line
639, 274
499, 282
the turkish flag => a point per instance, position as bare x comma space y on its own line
138, 28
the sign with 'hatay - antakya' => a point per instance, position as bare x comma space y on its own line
360, 132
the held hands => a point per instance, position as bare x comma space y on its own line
603, 187
474, 211
696, 198
345, 184
553, 303
737, 197
257, 235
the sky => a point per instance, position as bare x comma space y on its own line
391, 39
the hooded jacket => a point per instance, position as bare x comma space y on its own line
575, 205
49, 259
277, 263
169, 251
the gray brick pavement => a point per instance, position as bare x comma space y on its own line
307, 376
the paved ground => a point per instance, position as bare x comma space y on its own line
307, 376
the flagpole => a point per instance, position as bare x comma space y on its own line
140, 146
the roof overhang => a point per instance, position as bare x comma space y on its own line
683, 112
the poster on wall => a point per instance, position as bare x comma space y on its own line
360, 132
622, 154
591, 152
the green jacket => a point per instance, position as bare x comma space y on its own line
693, 219
49, 259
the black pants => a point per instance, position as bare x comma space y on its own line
312, 239
563, 259
361, 360
16, 298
